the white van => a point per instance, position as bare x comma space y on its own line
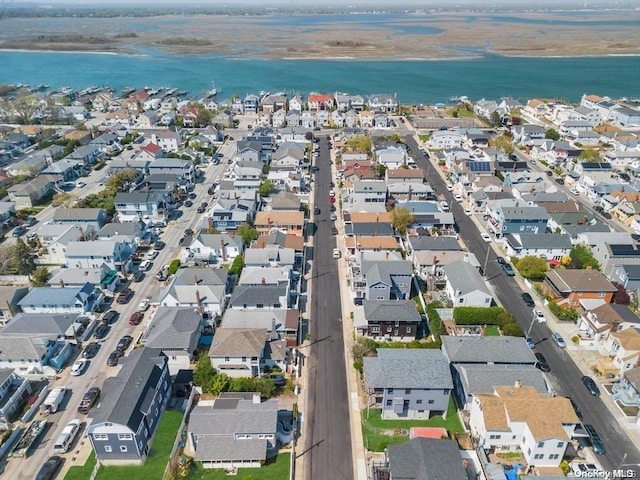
336, 253
444, 206
68, 435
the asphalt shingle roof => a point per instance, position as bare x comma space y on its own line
174, 328
426, 459
478, 379
465, 277
238, 342
407, 368
390, 310
487, 350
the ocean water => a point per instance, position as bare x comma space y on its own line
487, 76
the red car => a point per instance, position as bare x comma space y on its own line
136, 318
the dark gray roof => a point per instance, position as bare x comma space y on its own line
383, 271
369, 229
174, 328
542, 240
390, 310
124, 399
407, 368
439, 243
524, 213
203, 276
481, 379
426, 459
227, 449
229, 416
77, 214
465, 277
258, 295
487, 350
632, 271
27, 324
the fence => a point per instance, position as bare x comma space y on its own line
195, 391
14, 280
95, 470
8, 444
35, 407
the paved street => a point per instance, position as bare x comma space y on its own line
327, 447
565, 374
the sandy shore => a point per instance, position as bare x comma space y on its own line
448, 36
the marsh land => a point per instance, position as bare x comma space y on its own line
386, 36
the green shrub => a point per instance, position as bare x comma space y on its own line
564, 466
358, 365
563, 314
436, 327
512, 329
174, 266
477, 315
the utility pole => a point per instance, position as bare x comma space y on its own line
486, 261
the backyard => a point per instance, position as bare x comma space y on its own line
379, 433
156, 463
492, 331
275, 470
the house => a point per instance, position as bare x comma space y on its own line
55, 239
621, 349
250, 103
320, 101
61, 300
214, 248
204, 288
257, 276
14, 392
271, 256
176, 332
10, 296
550, 246
34, 356
263, 296
387, 280
392, 156
383, 102
107, 279
28, 194
424, 459
131, 405
234, 430
280, 323
173, 166
135, 206
93, 254
509, 421
287, 221
481, 379
445, 139
95, 217
280, 239
368, 191
62, 327
396, 320
232, 209
408, 383
245, 352
505, 219
626, 275
465, 286
404, 175
598, 322
569, 287
627, 392
487, 350
285, 201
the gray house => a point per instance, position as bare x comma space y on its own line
130, 408
263, 296
9, 298
234, 430
408, 383
626, 275
396, 320
487, 350
96, 217
387, 280
465, 286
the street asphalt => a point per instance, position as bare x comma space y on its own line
328, 440
565, 375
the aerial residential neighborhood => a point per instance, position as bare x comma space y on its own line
205, 284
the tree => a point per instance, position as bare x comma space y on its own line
512, 329
552, 134
581, 257
621, 297
382, 169
504, 143
22, 261
495, 119
40, 277
266, 188
589, 155
62, 199
247, 232
203, 374
401, 218
25, 109
221, 383
531, 267
204, 116
119, 181
236, 266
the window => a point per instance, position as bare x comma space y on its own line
494, 437
244, 359
601, 294
107, 448
408, 330
375, 329
554, 456
125, 436
226, 359
538, 456
259, 305
123, 448
540, 444
407, 391
389, 403
420, 411
419, 402
390, 391
461, 300
380, 298
430, 402
100, 436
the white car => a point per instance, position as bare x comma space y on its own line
468, 211
80, 184
151, 255
144, 305
145, 266
78, 367
574, 191
539, 316
336, 253
458, 197
449, 187
486, 237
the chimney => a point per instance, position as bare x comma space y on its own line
195, 279
256, 398
61, 283
199, 308
517, 384
223, 250
386, 255
264, 281
209, 222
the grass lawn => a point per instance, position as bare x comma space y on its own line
377, 442
462, 112
83, 472
153, 467
276, 470
492, 331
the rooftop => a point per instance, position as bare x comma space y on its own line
429, 369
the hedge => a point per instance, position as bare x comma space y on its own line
478, 316
174, 266
435, 323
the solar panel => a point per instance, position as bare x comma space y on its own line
475, 166
624, 250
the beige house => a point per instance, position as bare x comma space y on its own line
28, 194
291, 222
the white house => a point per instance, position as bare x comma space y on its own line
214, 248
465, 287
392, 157
445, 139
61, 300
369, 191
116, 254
550, 246
147, 206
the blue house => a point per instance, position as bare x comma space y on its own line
504, 219
130, 408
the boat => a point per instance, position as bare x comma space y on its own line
181, 93
213, 91
126, 91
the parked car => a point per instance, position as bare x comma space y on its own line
124, 343
358, 301
528, 299
576, 409
539, 316
79, 366
188, 204
31, 221
530, 342
316, 211
591, 385
501, 260
114, 356
136, 318
332, 207
159, 245
606, 215
138, 276
201, 209
486, 237
467, 211
188, 232
596, 441
508, 269
542, 363
549, 173
49, 468
598, 209
110, 317
574, 191
91, 350
89, 399
558, 340
102, 331
334, 231
151, 255
143, 305
145, 266
80, 184
18, 231
125, 296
